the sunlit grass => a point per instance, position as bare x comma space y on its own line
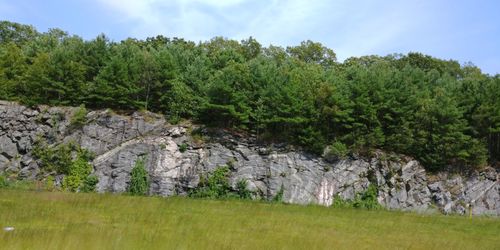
45, 220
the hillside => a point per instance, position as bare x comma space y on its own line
444, 114
74, 149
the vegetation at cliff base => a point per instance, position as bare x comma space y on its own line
55, 220
68, 159
139, 178
438, 111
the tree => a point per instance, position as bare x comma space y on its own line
444, 114
313, 52
16, 33
116, 84
229, 95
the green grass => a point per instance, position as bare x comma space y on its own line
55, 220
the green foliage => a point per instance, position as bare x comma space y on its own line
12, 183
437, 111
79, 171
78, 119
365, 200
72, 183
80, 221
279, 196
50, 183
89, 184
337, 150
3, 181
183, 147
139, 178
242, 190
53, 158
338, 202
215, 186
68, 159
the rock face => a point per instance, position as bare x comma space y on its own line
175, 160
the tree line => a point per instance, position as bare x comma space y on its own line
442, 113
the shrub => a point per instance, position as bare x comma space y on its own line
90, 183
79, 170
366, 200
71, 183
215, 185
242, 190
68, 159
174, 119
198, 136
53, 158
139, 179
183, 147
338, 202
279, 195
79, 117
336, 151
50, 183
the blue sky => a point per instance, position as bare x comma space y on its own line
467, 31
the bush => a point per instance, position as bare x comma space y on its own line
139, 179
79, 118
90, 183
183, 147
366, 200
72, 183
50, 183
79, 170
279, 195
242, 190
338, 202
214, 186
336, 151
68, 159
53, 158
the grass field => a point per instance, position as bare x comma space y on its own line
55, 220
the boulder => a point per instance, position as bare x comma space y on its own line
7, 147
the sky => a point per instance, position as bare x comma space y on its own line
467, 31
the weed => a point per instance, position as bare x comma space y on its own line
242, 190
183, 147
279, 196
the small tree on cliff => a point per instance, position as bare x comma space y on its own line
139, 179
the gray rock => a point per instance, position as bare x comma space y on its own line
119, 141
3, 162
7, 147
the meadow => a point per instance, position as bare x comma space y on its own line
58, 220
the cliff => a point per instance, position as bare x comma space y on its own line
176, 158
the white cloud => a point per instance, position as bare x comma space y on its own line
217, 3
191, 19
349, 28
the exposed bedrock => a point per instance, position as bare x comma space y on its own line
175, 160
